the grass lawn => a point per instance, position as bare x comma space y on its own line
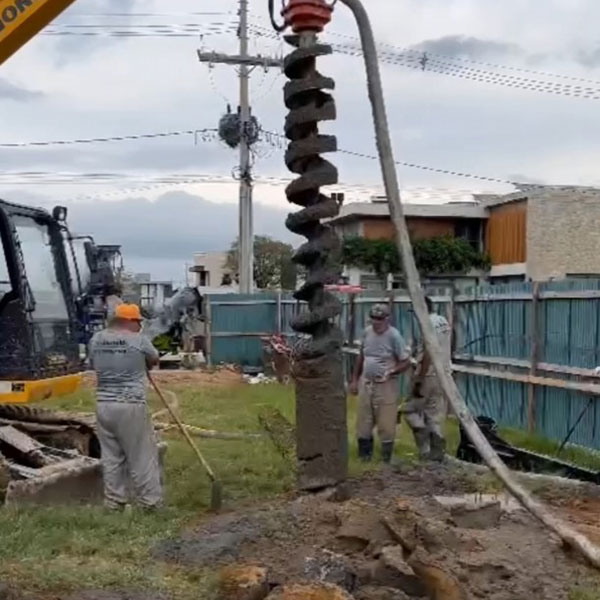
75, 548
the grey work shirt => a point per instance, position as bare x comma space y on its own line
381, 352
119, 359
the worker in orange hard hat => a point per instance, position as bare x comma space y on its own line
120, 355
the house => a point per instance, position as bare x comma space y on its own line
210, 272
537, 233
543, 232
429, 214
154, 294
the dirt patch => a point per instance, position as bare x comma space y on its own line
218, 377
112, 595
583, 514
418, 548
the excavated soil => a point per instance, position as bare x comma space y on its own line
391, 535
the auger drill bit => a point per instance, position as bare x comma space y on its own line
322, 442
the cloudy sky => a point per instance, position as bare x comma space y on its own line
68, 87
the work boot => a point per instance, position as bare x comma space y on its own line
365, 449
387, 451
422, 442
438, 448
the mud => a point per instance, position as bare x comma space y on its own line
111, 595
321, 422
299, 540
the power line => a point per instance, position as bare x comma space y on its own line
177, 30
409, 58
280, 140
422, 61
271, 138
151, 15
150, 30
199, 134
445, 57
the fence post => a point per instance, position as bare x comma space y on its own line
534, 356
208, 331
351, 319
452, 319
279, 315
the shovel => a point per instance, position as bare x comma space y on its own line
216, 496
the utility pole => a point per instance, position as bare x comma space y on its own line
246, 239
246, 64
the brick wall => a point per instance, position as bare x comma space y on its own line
563, 233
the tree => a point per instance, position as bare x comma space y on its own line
439, 255
273, 266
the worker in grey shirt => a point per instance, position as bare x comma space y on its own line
383, 356
120, 355
426, 410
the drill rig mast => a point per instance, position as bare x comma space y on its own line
322, 441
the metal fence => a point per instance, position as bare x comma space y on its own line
523, 354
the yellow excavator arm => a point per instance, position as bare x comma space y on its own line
20, 20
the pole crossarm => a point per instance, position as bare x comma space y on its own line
237, 59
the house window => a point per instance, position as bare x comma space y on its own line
470, 231
203, 278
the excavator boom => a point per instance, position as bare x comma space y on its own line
20, 20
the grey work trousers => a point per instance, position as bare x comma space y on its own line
426, 416
129, 454
377, 407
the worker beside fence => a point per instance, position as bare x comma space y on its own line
383, 356
426, 409
120, 355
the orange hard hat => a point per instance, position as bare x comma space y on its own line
128, 312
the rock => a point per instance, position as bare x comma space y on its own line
243, 583
404, 577
482, 517
437, 537
327, 567
403, 532
341, 493
362, 528
7, 593
380, 593
310, 592
439, 584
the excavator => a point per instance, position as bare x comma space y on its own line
51, 287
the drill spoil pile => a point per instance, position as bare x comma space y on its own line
47, 457
404, 533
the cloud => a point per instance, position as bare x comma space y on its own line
173, 227
12, 91
463, 46
71, 48
588, 58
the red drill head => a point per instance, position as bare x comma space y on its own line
307, 15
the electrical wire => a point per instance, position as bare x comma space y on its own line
409, 58
191, 29
117, 138
413, 59
445, 57
276, 140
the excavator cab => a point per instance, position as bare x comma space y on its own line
39, 328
